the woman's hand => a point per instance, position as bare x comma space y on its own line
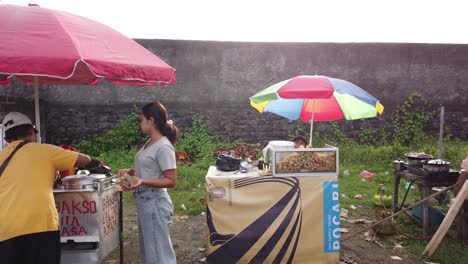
122, 172
135, 186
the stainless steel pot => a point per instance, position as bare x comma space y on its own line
399, 165
436, 165
74, 182
417, 159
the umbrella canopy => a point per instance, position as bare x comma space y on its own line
40, 45
316, 98
61, 48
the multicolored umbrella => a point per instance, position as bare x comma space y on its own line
316, 98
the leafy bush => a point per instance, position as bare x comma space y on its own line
198, 143
121, 137
300, 128
410, 119
118, 159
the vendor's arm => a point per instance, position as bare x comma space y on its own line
82, 160
63, 159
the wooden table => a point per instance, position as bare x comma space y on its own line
425, 186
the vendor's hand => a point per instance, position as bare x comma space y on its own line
57, 176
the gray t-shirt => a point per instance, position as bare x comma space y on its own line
150, 162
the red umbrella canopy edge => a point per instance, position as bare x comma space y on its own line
62, 48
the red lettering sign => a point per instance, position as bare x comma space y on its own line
69, 212
110, 214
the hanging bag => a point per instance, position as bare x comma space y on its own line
5, 163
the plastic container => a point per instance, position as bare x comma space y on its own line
275, 144
435, 216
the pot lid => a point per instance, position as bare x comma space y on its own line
419, 155
83, 179
438, 162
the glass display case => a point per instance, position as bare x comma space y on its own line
306, 162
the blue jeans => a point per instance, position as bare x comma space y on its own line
155, 211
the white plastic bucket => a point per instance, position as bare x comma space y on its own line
276, 144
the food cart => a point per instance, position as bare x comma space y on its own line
291, 216
2, 139
88, 209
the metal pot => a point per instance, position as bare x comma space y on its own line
75, 182
436, 165
416, 159
227, 163
399, 165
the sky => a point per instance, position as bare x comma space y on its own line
397, 21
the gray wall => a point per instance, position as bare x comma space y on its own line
215, 79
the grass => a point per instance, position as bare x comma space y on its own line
353, 158
190, 182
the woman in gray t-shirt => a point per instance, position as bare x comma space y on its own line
155, 165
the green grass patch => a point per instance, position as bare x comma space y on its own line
189, 190
372, 151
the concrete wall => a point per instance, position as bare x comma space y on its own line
215, 80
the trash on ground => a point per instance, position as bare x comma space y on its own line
397, 246
361, 221
344, 213
344, 230
408, 184
401, 237
366, 174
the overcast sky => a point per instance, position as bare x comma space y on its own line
415, 21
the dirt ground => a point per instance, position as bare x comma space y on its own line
188, 237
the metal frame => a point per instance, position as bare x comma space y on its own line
328, 149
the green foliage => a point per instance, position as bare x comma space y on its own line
370, 137
189, 191
338, 134
299, 129
410, 119
354, 158
121, 137
198, 143
367, 136
383, 137
118, 159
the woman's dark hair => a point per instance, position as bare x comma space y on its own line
158, 112
18, 132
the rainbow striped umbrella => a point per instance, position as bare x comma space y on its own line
316, 98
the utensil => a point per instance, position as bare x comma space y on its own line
415, 159
436, 165
77, 182
399, 165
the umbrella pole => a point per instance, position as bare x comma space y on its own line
441, 132
121, 230
312, 123
36, 108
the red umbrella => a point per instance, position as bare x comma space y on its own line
40, 45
